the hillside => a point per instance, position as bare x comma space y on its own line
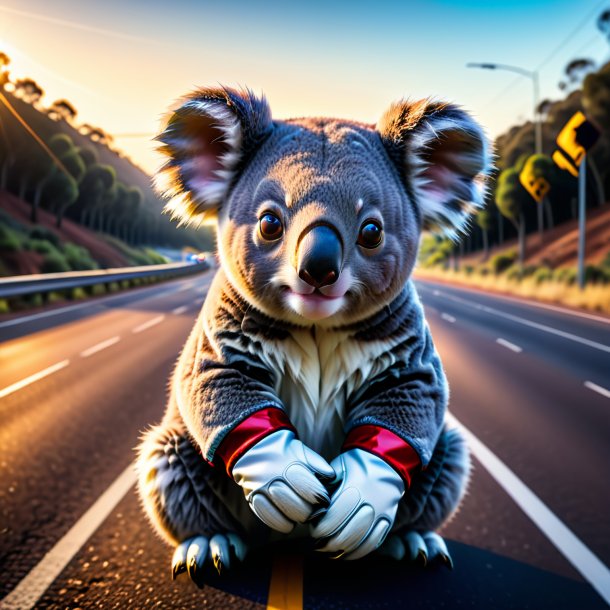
560, 244
45, 127
29, 262
104, 190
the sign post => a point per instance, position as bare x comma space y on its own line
578, 136
582, 221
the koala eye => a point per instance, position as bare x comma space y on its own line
370, 234
270, 226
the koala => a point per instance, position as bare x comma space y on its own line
309, 399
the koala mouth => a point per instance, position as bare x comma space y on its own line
314, 305
315, 296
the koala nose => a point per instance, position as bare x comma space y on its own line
319, 256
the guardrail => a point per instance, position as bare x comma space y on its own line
22, 285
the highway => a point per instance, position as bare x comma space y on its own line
529, 383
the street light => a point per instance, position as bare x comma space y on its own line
529, 74
533, 74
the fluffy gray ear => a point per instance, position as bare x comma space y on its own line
206, 141
443, 156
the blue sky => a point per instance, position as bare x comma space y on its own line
122, 62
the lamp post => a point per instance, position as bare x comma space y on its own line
533, 75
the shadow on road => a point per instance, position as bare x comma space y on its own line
480, 580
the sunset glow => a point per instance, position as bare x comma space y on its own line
123, 64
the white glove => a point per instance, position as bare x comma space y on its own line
363, 508
280, 478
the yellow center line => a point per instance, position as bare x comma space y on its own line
286, 588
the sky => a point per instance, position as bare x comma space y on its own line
122, 63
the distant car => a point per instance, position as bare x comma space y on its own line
201, 257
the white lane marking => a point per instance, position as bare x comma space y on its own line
202, 290
146, 325
142, 292
509, 345
186, 287
179, 310
27, 593
570, 312
597, 388
99, 347
574, 550
520, 320
32, 378
447, 317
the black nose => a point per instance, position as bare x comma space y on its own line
319, 256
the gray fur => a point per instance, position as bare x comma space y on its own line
437, 491
186, 496
367, 358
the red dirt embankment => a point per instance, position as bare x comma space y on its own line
102, 252
559, 247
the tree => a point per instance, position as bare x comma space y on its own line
61, 144
63, 109
93, 193
543, 108
28, 90
88, 155
484, 220
542, 166
511, 199
105, 207
73, 162
135, 197
603, 24
5, 60
32, 165
596, 102
596, 98
575, 71
60, 193
63, 148
97, 134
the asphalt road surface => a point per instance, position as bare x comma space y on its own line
530, 384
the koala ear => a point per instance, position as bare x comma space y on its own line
443, 156
206, 142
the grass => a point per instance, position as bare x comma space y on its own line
136, 256
58, 255
542, 285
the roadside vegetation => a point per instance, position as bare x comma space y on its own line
502, 273
42, 251
70, 200
513, 248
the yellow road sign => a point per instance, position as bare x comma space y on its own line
537, 186
567, 138
563, 163
573, 141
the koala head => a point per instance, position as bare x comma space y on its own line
319, 220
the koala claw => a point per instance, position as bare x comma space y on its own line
424, 549
438, 549
197, 553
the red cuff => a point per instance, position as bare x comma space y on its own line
248, 432
386, 445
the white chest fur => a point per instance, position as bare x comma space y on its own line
317, 370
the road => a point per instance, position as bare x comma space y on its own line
531, 384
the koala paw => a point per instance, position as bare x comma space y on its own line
423, 548
196, 555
